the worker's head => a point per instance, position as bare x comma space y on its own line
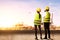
46, 8
38, 10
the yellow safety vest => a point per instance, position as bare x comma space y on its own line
37, 19
47, 17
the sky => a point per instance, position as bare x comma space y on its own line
22, 11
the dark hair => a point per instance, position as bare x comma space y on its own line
46, 10
38, 12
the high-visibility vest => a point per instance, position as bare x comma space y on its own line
47, 17
37, 19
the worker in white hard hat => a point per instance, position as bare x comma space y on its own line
37, 22
46, 21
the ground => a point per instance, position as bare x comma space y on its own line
26, 36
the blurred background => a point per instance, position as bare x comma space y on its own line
17, 17
19, 14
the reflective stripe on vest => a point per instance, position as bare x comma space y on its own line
37, 22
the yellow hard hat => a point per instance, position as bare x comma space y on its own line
38, 9
46, 8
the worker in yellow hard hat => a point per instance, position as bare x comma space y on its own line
37, 22
46, 21
46, 8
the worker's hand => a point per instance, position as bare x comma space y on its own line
41, 23
50, 22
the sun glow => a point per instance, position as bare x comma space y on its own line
7, 21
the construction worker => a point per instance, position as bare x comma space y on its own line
37, 22
46, 21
